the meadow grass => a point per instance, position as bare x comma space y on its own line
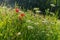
29, 27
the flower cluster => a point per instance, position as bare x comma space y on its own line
21, 15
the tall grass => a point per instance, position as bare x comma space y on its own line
31, 27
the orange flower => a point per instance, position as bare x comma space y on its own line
21, 16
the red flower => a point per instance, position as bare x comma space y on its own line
17, 10
22, 15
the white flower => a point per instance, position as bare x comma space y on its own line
30, 27
52, 5
21, 11
28, 21
38, 11
35, 8
52, 13
36, 23
44, 21
19, 33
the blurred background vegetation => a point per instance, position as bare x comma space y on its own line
52, 5
28, 4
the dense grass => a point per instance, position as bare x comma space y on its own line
29, 27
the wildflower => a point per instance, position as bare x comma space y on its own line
30, 27
44, 21
21, 11
17, 10
52, 5
21, 16
36, 23
38, 11
28, 21
19, 33
52, 13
